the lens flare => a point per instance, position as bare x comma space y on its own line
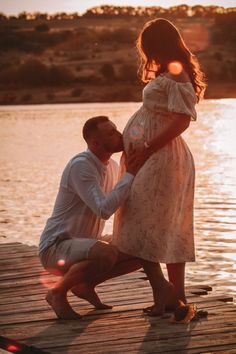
136, 132
13, 348
46, 279
61, 262
175, 68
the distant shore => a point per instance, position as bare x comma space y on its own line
93, 58
94, 93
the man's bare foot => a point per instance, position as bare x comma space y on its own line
87, 292
61, 306
164, 292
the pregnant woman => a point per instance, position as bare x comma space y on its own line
156, 221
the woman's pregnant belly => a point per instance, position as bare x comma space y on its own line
174, 157
143, 126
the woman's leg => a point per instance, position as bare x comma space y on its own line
176, 274
161, 288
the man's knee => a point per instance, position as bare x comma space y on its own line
105, 254
109, 258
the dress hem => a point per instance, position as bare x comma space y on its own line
159, 260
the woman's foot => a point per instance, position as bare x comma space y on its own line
168, 308
172, 304
61, 306
88, 293
164, 292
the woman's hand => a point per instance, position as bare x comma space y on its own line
142, 152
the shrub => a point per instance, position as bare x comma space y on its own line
108, 71
59, 75
119, 35
223, 31
124, 94
26, 98
128, 72
50, 96
34, 73
76, 92
30, 41
8, 98
42, 28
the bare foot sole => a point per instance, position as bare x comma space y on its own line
89, 294
164, 293
61, 307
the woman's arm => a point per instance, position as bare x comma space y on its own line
177, 126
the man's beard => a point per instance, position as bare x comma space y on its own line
113, 149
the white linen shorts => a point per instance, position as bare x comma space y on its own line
63, 253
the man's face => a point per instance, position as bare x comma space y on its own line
109, 137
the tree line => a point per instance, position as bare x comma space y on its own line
108, 11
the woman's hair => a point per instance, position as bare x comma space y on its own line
160, 44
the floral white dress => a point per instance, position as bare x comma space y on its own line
156, 221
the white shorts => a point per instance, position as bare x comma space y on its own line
59, 257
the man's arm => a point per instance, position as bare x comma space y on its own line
84, 183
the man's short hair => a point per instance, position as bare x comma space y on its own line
91, 125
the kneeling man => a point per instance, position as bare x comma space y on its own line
88, 195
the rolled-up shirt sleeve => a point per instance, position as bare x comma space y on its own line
84, 183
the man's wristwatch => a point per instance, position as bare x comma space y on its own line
146, 145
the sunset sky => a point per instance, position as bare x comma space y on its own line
12, 7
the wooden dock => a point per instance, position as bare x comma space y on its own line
26, 318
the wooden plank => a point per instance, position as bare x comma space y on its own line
47, 313
146, 343
24, 313
124, 335
110, 321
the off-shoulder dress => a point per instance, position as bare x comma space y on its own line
156, 221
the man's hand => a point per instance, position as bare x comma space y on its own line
135, 158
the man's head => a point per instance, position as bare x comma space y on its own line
102, 135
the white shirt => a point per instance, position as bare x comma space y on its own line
87, 196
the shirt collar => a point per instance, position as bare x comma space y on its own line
97, 161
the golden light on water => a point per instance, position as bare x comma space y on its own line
212, 140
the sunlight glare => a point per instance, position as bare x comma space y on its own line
61, 262
175, 68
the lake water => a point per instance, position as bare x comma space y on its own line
37, 141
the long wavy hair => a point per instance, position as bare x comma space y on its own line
159, 44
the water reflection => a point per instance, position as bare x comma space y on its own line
36, 142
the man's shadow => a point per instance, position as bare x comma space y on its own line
62, 334
56, 332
